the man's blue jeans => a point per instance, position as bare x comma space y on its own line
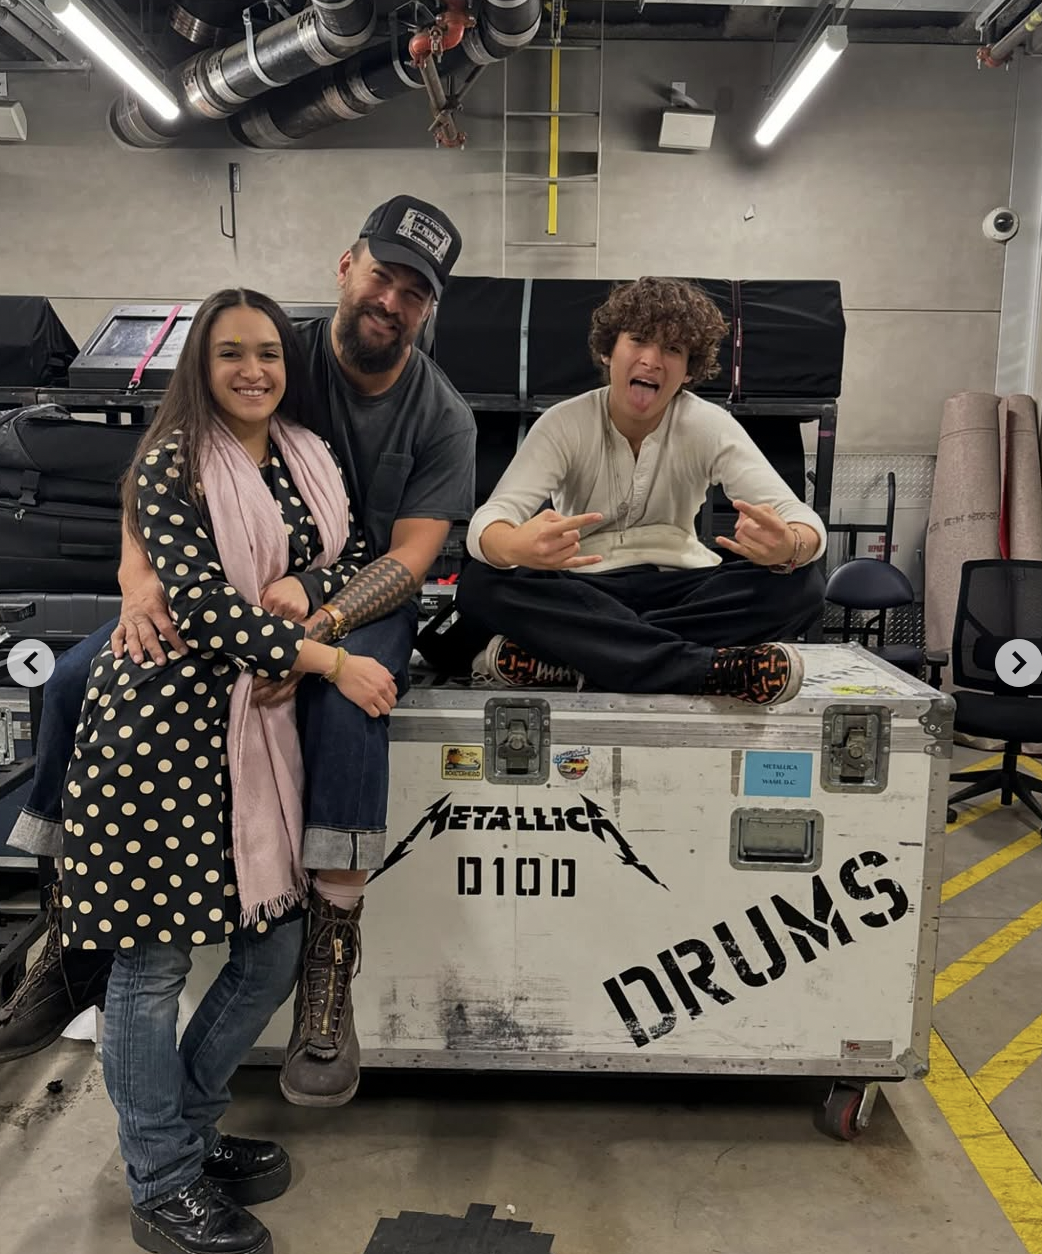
345, 752
169, 1099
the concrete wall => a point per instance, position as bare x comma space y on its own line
882, 183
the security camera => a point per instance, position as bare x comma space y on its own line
1001, 225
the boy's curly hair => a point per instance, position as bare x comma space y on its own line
668, 311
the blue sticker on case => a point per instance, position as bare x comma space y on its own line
778, 774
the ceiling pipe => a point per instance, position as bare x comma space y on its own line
370, 78
218, 82
206, 23
1000, 52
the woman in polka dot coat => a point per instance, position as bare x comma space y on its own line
182, 813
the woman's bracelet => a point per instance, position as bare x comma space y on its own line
333, 675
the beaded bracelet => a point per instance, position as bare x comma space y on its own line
786, 568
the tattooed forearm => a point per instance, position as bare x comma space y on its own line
376, 590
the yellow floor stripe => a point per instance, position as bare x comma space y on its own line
966, 968
988, 866
1000, 1165
971, 813
1009, 1064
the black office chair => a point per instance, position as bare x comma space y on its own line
998, 601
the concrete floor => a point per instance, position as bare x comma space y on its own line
675, 1166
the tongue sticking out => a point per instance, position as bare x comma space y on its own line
642, 395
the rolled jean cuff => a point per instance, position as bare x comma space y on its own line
344, 849
36, 834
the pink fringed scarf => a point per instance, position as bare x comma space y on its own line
264, 760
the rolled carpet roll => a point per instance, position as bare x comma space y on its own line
964, 509
1020, 534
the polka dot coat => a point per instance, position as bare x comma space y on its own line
146, 850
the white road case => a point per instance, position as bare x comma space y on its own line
582, 881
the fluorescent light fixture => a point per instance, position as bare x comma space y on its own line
816, 64
84, 26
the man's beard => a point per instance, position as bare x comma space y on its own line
364, 356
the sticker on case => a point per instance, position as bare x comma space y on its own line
778, 774
573, 763
462, 761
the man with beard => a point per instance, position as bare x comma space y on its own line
406, 440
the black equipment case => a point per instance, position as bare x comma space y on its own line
59, 500
35, 348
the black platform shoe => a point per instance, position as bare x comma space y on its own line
248, 1171
199, 1219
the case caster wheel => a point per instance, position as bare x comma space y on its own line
952, 814
848, 1109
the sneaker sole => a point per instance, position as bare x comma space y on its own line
266, 1186
296, 1098
795, 681
152, 1238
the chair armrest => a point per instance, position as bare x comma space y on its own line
936, 661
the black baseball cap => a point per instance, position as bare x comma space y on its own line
409, 232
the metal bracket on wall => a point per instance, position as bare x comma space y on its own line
233, 191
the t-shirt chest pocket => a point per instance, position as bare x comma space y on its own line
384, 494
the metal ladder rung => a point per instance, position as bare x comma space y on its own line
548, 243
553, 113
559, 178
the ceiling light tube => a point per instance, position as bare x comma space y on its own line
815, 65
84, 26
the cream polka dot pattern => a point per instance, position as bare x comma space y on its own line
147, 850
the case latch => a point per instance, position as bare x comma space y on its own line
517, 740
855, 752
7, 745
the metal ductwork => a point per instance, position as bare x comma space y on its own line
354, 88
207, 23
217, 83
1001, 51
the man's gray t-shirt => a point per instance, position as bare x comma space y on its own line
407, 453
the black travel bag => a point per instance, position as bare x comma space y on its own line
60, 500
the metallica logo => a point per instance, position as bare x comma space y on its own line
589, 818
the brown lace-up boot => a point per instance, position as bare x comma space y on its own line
321, 1066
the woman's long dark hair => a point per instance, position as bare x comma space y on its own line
189, 406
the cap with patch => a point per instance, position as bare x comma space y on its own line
409, 232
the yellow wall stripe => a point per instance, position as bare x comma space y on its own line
555, 140
966, 968
988, 866
1009, 1064
1000, 1165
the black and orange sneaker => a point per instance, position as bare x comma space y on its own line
764, 674
503, 661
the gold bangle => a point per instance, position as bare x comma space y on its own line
332, 675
